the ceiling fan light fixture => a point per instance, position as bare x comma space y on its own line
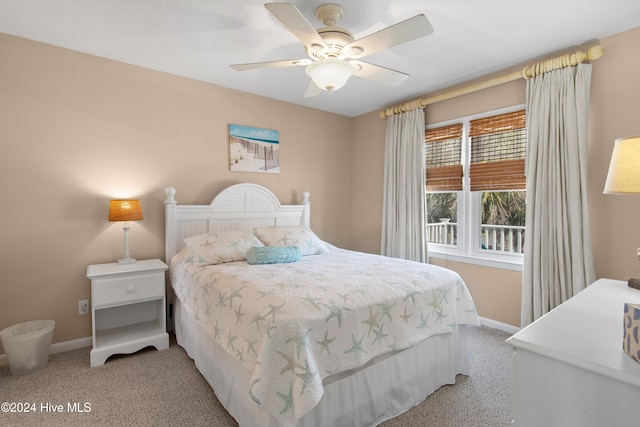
330, 74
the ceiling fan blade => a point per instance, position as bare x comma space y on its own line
271, 64
378, 74
312, 90
295, 22
402, 32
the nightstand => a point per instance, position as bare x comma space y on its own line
127, 308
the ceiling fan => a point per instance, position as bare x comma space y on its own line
334, 55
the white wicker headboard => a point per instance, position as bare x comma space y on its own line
238, 207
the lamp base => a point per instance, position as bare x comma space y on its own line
124, 261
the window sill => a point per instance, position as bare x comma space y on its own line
515, 265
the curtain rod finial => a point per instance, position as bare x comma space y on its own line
595, 52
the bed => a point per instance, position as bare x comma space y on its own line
291, 330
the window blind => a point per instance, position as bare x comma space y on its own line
498, 152
443, 147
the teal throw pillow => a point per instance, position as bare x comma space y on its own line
273, 254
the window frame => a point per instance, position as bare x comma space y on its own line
469, 214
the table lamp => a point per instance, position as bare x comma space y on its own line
624, 174
125, 210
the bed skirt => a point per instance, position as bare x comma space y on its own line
382, 389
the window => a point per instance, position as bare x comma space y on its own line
476, 188
443, 158
497, 152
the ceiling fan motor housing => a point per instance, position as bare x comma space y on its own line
335, 39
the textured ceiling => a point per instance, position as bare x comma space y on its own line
199, 39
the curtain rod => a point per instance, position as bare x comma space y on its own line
563, 61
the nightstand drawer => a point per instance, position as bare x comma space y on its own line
117, 290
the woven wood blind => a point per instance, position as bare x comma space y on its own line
499, 123
443, 148
497, 152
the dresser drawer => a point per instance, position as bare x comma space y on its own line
112, 290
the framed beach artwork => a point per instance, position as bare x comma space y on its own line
253, 149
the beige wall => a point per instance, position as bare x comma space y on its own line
496, 292
615, 112
77, 130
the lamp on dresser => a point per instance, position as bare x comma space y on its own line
125, 210
624, 169
624, 174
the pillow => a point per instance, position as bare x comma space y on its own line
222, 246
273, 254
292, 235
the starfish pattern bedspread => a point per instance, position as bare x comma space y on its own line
292, 325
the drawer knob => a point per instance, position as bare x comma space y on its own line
131, 288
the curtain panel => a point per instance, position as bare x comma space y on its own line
403, 216
558, 260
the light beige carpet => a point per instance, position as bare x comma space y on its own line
157, 388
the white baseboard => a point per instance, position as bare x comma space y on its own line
494, 324
58, 347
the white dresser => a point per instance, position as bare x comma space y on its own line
569, 366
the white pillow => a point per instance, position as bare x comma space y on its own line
292, 235
222, 246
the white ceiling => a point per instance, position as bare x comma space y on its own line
199, 39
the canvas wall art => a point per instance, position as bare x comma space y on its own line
253, 149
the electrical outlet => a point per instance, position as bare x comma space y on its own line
83, 306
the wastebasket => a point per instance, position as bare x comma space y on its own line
27, 345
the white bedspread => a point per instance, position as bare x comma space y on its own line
293, 325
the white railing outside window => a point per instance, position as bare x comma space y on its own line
443, 232
494, 238
502, 238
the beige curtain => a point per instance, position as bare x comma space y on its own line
558, 259
403, 216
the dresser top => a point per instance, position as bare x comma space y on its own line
115, 268
586, 331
